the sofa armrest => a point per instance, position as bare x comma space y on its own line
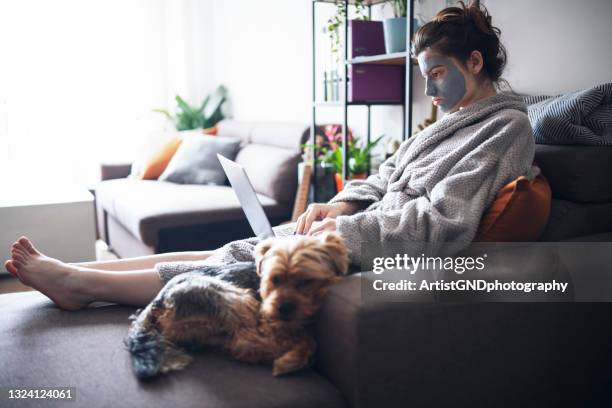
365, 349
109, 171
439, 352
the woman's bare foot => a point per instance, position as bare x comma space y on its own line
57, 280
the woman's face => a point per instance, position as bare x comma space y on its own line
446, 81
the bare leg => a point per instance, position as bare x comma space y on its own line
72, 287
144, 262
135, 288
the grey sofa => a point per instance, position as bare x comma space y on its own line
141, 217
423, 353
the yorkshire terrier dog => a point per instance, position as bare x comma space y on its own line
257, 312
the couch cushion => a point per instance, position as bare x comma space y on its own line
236, 129
43, 346
196, 162
519, 213
568, 220
272, 170
577, 173
146, 206
287, 135
158, 163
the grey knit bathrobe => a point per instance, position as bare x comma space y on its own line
435, 188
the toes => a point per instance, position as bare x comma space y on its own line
13, 267
20, 251
19, 256
18, 246
10, 266
28, 245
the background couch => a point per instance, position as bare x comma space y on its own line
141, 217
423, 353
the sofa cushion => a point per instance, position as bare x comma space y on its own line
146, 206
156, 150
577, 173
196, 162
402, 354
237, 129
519, 213
45, 346
158, 163
272, 170
568, 220
286, 135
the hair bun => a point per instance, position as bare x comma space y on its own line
479, 16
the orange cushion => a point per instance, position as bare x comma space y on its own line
159, 161
210, 131
519, 213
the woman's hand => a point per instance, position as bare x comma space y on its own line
328, 224
316, 212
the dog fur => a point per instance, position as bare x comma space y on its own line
257, 312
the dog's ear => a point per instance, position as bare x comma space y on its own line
260, 250
338, 254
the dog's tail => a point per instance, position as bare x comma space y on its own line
152, 354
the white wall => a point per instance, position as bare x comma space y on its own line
555, 46
262, 52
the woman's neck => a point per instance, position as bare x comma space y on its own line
481, 92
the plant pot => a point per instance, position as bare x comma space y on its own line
340, 184
325, 184
395, 34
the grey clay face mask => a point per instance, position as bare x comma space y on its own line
451, 87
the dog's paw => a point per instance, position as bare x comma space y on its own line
287, 365
278, 370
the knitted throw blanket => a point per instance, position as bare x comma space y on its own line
578, 118
434, 189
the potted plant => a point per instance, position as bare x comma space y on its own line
207, 115
358, 161
329, 155
395, 28
327, 140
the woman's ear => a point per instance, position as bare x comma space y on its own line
260, 251
475, 63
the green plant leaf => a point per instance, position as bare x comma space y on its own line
165, 113
187, 117
203, 106
184, 106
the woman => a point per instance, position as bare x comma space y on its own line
435, 188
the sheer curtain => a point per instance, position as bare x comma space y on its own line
79, 80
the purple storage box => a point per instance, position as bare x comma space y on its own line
376, 83
366, 38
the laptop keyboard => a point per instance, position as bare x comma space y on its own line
284, 230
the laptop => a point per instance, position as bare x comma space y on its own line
250, 202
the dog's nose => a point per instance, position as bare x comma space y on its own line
285, 310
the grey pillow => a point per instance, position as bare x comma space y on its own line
196, 162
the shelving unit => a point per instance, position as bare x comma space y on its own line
398, 58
